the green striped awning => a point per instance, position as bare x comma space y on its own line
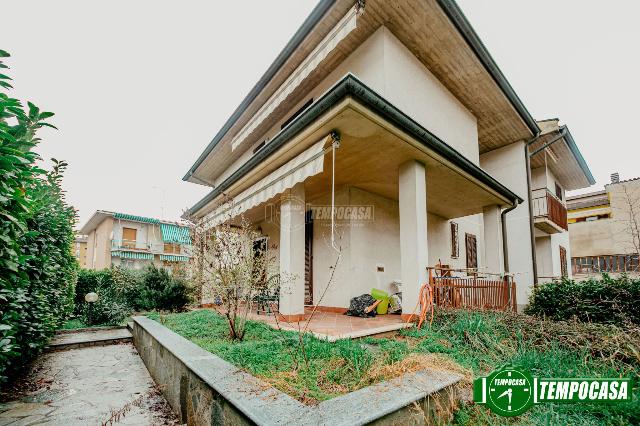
173, 258
135, 218
175, 234
132, 255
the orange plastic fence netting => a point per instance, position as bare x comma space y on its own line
425, 301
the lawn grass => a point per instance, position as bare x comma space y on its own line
471, 342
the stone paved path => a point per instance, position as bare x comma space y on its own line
87, 386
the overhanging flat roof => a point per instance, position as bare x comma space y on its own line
351, 87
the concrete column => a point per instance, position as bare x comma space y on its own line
493, 259
413, 232
292, 217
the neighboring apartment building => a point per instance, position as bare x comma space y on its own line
605, 228
129, 241
396, 116
79, 249
556, 167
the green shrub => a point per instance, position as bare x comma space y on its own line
124, 291
37, 268
606, 300
161, 290
114, 289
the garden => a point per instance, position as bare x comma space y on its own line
472, 343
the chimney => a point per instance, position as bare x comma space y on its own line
615, 177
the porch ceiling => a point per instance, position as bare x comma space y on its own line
435, 31
370, 154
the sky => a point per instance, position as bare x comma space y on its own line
139, 88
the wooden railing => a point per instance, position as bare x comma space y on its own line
545, 204
616, 263
472, 292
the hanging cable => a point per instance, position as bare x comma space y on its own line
335, 144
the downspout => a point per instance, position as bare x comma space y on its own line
530, 203
528, 156
505, 245
534, 260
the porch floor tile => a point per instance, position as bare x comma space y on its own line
333, 326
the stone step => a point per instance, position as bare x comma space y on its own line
89, 337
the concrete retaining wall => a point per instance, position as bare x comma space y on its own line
205, 390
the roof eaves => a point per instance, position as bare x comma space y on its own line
451, 9
307, 26
578, 156
459, 20
351, 86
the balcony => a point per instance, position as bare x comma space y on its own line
549, 213
172, 249
130, 245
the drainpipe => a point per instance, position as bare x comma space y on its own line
532, 241
527, 155
531, 227
505, 245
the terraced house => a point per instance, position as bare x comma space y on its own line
395, 116
129, 241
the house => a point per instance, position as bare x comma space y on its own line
556, 167
604, 231
133, 242
383, 134
79, 249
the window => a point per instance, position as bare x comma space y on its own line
558, 192
297, 113
455, 248
129, 237
563, 262
472, 251
172, 248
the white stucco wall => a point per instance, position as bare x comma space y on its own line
99, 245
367, 246
508, 165
543, 177
548, 255
439, 237
383, 63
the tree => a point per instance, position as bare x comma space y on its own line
233, 264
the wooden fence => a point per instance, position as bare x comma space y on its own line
472, 292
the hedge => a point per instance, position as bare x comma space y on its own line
124, 291
605, 300
37, 267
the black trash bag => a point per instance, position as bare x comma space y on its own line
359, 304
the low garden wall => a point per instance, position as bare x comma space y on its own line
204, 389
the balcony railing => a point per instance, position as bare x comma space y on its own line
130, 245
548, 208
156, 248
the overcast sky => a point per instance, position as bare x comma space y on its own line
139, 88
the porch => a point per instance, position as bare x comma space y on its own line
361, 198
